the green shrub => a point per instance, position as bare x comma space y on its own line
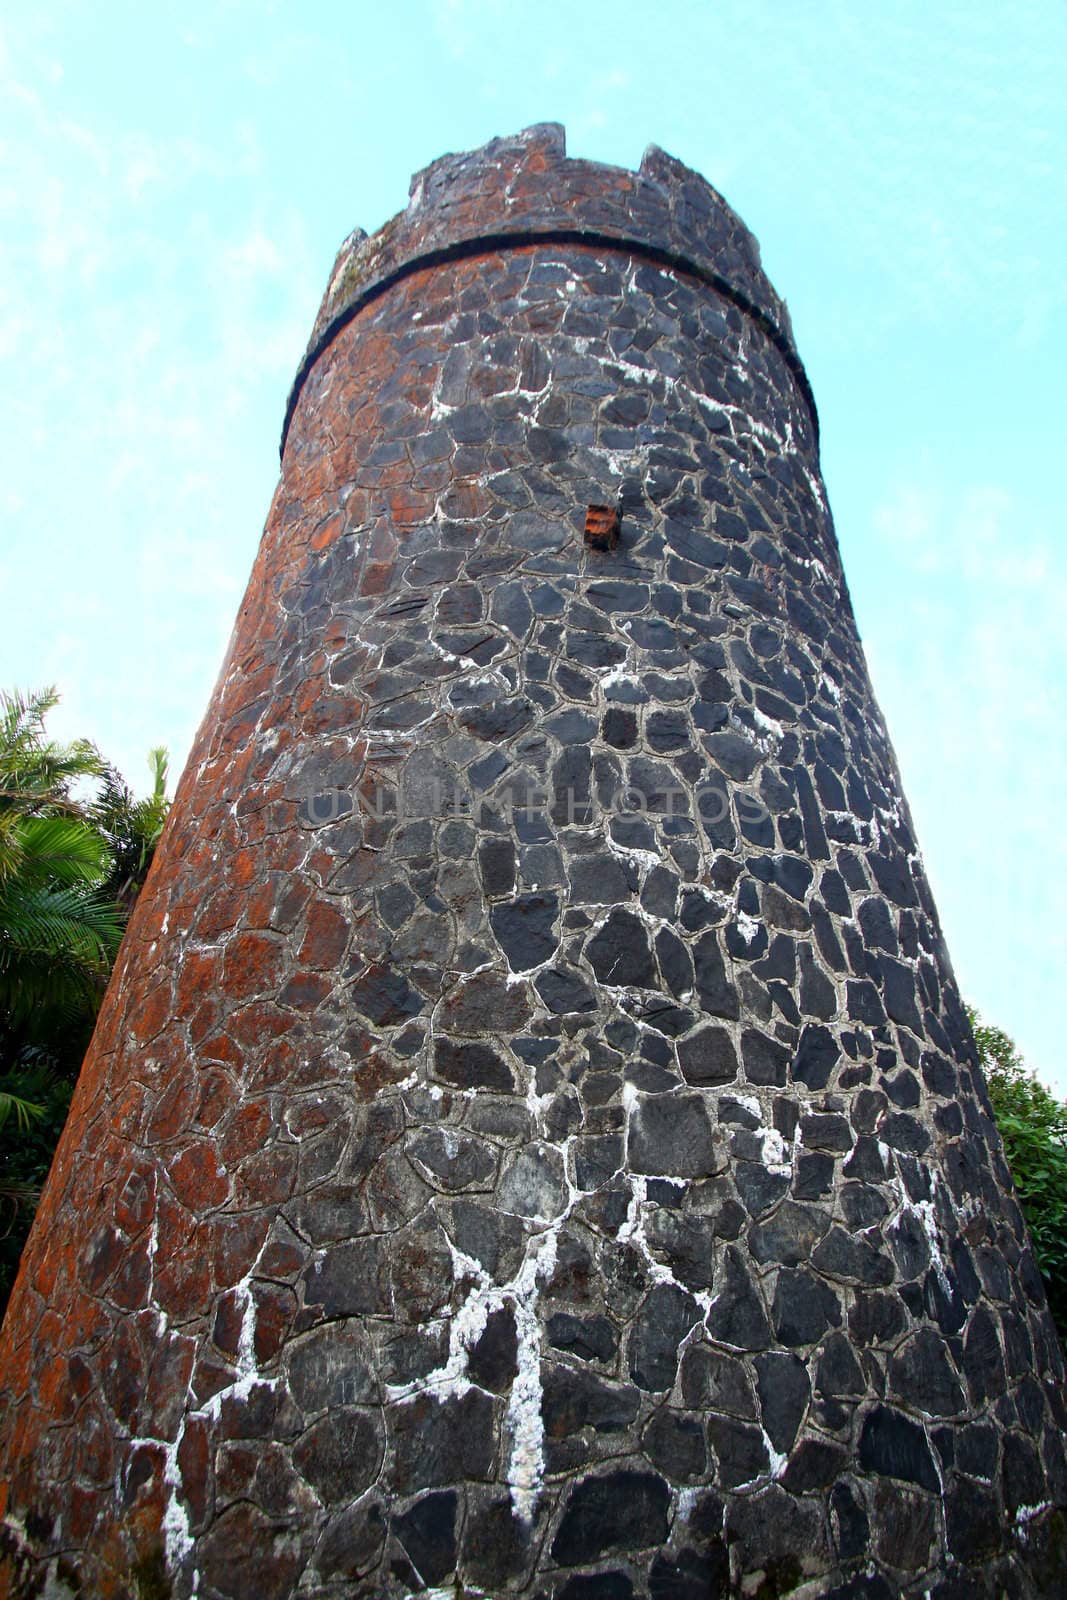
27, 1145
1033, 1125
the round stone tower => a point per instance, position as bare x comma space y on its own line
531, 1143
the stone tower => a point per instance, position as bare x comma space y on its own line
532, 1144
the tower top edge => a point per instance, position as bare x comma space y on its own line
523, 184
522, 191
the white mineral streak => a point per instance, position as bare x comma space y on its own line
177, 1532
924, 1213
715, 407
1027, 1514
747, 927
618, 675
526, 1464
523, 1421
247, 1372
685, 1500
767, 725
773, 1153
632, 1228
779, 1459
890, 814
632, 854
465, 1329
448, 1594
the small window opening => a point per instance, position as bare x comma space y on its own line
602, 527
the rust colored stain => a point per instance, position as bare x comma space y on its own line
602, 527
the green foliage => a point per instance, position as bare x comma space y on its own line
1033, 1126
130, 826
70, 871
26, 1150
59, 931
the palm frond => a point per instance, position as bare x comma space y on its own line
36, 772
59, 922
24, 1111
60, 851
159, 766
56, 951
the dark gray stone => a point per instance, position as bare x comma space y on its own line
853, 1260
671, 1135
525, 929
664, 1320
493, 1359
713, 1381
815, 1464
717, 995
737, 1316
340, 1455
350, 1280
427, 1531
385, 996
596, 1586
691, 1575
789, 1236
838, 1372
573, 1398
615, 1511
816, 1057
453, 1161
331, 1367
488, 1236
496, 863
766, 1060
708, 1056
496, 1544
804, 1308
759, 1187
894, 1446
590, 1338
438, 1442
688, 1240
740, 1451
564, 992
922, 1376
599, 879
619, 953
674, 1444
534, 1184
471, 1065
737, 758
784, 1391
352, 1540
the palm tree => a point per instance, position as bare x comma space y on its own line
58, 930
70, 870
131, 827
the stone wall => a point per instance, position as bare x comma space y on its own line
532, 1144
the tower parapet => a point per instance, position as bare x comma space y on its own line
524, 189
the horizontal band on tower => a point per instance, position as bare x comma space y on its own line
583, 238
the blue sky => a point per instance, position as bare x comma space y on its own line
175, 181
